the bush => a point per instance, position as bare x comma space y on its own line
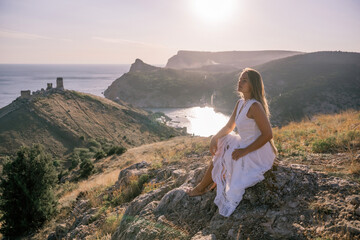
100, 154
75, 160
116, 150
327, 145
131, 191
94, 143
26, 188
86, 168
84, 153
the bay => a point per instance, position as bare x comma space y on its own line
199, 121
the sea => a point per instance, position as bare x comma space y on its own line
95, 79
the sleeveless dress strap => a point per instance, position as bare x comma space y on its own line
248, 105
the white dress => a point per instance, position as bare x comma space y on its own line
232, 177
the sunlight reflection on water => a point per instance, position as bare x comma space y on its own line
200, 121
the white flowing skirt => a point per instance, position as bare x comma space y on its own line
233, 177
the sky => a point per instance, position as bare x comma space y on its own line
119, 31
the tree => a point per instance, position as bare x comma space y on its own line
27, 191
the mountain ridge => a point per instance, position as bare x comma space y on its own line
297, 86
236, 59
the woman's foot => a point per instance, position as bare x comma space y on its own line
195, 192
212, 187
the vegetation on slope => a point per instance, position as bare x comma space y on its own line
62, 121
325, 142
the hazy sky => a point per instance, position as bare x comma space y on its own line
119, 31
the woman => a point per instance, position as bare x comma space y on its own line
240, 160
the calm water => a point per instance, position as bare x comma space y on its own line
201, 121
95, 79
92, 79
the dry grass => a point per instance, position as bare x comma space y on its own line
155, 153
321, 134
329, 143
95, 182
176, 149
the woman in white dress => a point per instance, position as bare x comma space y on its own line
240, 160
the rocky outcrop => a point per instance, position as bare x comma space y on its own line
293, 202
140, 66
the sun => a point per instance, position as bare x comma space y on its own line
213, 10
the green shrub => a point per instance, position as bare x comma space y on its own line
94, 143
100, 154
84, 153
26, 188
327, 145
86, 168
75, 160
116, 150
131, 191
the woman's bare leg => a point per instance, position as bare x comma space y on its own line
200, 189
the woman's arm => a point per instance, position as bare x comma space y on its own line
224, 131
256, 112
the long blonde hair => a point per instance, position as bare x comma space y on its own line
258, 93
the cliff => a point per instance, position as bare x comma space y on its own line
234, 59
161, 87
139, 65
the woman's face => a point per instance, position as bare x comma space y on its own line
244, 85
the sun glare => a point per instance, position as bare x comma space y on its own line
213, 10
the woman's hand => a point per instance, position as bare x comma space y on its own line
238, 153
213, 145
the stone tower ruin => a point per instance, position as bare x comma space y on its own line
59, 83
25, 94
49, 86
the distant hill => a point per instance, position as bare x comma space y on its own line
296, 86
224, 61
63, 120
306, 84
161, 87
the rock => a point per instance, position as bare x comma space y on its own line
357, 211
60, 232
292, 202
272, 207
179, 175
354, 199
200, 236
86, 219
320, 229
136, 169
354, 227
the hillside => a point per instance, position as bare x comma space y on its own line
312, 192
297, 86
64, 120
303, 85
224, 61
